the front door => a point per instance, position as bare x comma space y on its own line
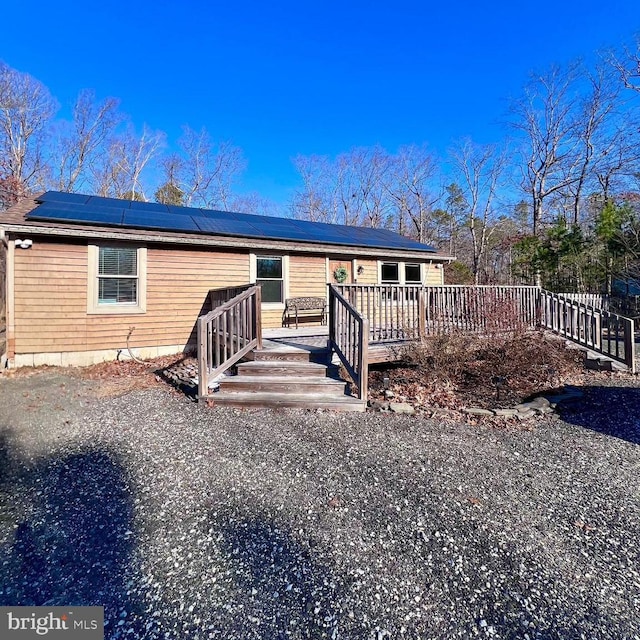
336, 271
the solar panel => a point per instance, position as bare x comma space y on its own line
214, 215
153, 220
116, 203
62, 196
149, 206
183, 211
109, 217
227, 227
58, 206
275, 232
84, 209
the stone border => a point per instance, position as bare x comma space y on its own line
540, 405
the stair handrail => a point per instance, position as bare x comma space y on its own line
349, 338
596, 329
228, 333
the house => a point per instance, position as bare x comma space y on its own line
88, 276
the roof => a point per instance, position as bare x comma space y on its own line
59, 213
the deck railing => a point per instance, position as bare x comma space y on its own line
349, 338
227, 333
596, 300
601, 331
224, 294
628, 306
480, 308
400, 312
394, 311
397, 312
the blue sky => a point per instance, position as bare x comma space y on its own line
284, 78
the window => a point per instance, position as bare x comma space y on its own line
117, 275
412, 274
117, 279
269, 274
389, 273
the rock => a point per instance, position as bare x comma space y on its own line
378, 405
539, 403
524, 415
401, 407
507, 413
524, 407
477, 411
388, 394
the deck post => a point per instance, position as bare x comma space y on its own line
258, 316
629, 344
203, 373
332, 324
363, 366
422, 313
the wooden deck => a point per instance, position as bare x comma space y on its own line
314, 339
374, 323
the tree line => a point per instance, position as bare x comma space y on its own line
556, 201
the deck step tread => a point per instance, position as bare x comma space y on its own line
298, 384
291, 400
287, 355
281, 367
319, 380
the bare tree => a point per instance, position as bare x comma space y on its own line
256, 204
595, 111
346, 190
369, 167
627, 64
545, 116
83, 139
26, 108
119, 174
480, 169
207, 171
619, 158
410, 185
317, 200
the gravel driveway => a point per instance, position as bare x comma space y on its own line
191, 522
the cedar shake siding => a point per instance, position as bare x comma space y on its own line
60, 312
51, 299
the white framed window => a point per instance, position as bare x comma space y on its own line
389, 273
117, 279
400, 273
271, 271
412, 273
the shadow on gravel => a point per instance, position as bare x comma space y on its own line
280, 583
613, 411
66, 530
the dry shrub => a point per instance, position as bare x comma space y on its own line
527, 361
444, 354
482, 352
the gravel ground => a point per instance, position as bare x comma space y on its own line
191, 522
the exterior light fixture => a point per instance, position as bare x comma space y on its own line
27, 243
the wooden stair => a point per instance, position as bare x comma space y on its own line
284, 376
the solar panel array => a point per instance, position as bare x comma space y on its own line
76, 208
